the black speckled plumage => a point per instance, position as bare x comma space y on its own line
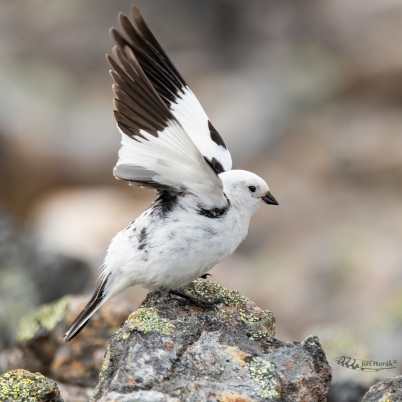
164, 204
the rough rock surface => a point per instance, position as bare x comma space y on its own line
41, 346
23, 386
389, 390
169, 350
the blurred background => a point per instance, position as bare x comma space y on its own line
306, 93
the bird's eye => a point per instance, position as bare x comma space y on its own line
252, 188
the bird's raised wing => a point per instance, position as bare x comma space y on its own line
156, 150
172, 89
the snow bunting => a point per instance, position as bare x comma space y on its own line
168, 144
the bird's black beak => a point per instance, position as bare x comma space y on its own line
270, 199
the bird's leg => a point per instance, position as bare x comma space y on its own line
198, 302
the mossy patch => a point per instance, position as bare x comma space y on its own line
146, 319
22, 385
262, 371
45, 317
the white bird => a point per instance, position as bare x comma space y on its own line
168, 144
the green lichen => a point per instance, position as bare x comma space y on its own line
258, 335
261, 323
262, 371
46, 316
209, 291
146, 319
251, 317
221, 313
22, 385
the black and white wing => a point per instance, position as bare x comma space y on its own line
168, 142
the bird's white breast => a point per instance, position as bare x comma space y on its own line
166, 251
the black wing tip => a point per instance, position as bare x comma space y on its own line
215, 136
149, 54
215, 165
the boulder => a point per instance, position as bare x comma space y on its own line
41, 347
24, 386
171, 350
31, 274
389, 390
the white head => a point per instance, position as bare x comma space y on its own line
245, 190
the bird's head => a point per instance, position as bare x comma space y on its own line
246, 190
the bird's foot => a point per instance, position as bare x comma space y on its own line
198, 302
205, 276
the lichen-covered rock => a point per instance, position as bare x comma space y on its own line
43, 320
169, 350
389, 390
41, 346
30, 275
24, 386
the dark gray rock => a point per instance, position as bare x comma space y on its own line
347, 390
389, 390
169, 350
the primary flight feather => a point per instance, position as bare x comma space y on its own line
168, 144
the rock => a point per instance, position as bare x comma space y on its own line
389, 390
31, 275
169, 350
41, 346
347, 390
22, 385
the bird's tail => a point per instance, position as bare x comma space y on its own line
98, 298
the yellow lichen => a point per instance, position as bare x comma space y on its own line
46, 316
262, 371
22, 385
146, 319
386, 398
105, 363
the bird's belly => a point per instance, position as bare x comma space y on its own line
181, 258
163, 255
169, 256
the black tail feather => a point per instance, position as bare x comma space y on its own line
95, 302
